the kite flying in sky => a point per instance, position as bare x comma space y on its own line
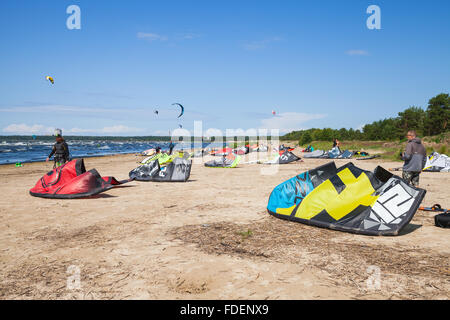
50, 79
182, 108
174, 104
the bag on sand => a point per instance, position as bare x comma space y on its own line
442, 220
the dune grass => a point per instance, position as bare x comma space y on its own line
388, 150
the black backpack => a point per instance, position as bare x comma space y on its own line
442, 220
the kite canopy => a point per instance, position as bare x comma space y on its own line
369, 158
48, 78
161, 157
182, 108
148, 152
71, 181
334, 153
347, 199
315, 154
152, 157
437, 163
345, 155
260, 149
284, 158
222, 152
156, 111
164, 158
284, 148
178, 170
231, 161
199, 154
241, 150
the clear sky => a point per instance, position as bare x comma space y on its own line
230, 63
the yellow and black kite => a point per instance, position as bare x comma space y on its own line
347, 199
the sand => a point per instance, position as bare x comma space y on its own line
208, 238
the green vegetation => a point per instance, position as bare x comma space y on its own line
442, 150
246, 234
431, 122
387, 150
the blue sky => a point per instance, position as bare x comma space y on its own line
230, 63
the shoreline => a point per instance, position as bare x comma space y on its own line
78, 157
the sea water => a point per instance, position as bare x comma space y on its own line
13, 150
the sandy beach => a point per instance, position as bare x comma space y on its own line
208, 238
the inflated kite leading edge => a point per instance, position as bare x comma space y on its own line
347, 199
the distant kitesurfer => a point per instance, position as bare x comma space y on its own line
171, 146
60, 150
337, 143
415, 158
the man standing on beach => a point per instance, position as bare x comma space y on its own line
415, 158
60, 150
171, 146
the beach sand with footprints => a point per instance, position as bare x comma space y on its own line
208, 238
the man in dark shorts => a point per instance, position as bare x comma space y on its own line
415, 158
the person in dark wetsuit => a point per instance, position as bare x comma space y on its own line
60, 150
171, 146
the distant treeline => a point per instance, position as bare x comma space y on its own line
429, 122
